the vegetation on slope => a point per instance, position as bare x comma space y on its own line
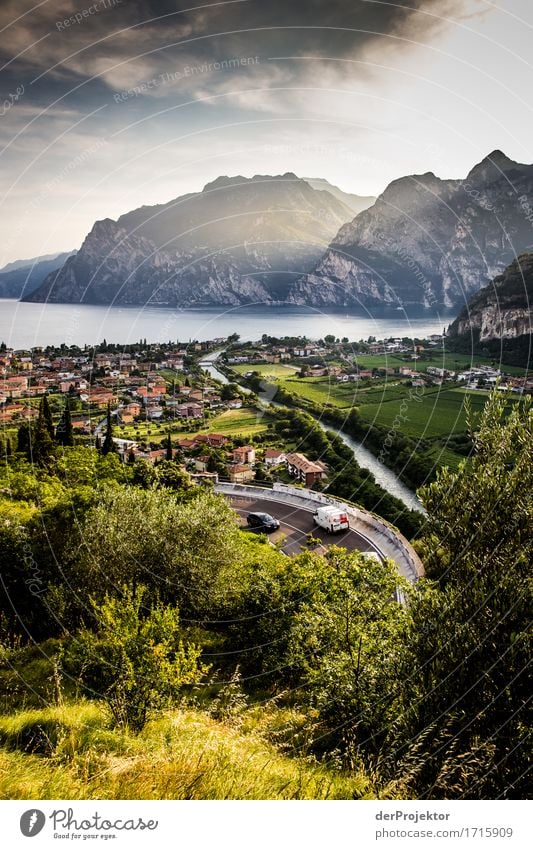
150, 648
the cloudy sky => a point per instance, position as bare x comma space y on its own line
111, 104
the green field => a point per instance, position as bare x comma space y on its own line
439, 412
266, 370
438, 358
244, 422
153, 431
322, 390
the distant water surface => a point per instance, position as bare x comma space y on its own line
24, 325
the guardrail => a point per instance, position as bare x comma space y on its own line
387, 539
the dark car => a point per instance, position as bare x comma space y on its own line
263, 521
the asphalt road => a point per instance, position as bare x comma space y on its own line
296, 523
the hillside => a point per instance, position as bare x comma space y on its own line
201, 662
70, 752
22, 277
499, 317
427, 242
238, 241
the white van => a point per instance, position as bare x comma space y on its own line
332, 519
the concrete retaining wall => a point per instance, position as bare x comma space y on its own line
387, 540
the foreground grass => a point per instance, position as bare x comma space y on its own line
70, 752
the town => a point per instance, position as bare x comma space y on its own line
162, 403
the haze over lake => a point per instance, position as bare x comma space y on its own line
25, 325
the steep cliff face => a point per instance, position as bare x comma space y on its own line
500, 311
238, 241
427, 242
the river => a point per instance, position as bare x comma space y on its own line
384, 476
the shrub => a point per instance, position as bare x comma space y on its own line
136, 661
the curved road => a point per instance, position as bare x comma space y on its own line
296, 523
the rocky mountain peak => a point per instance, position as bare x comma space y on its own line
426, 241
224, 182
240, 240
493, 167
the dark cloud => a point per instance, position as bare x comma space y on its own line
147, 34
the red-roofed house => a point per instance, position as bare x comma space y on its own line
305, 470
274, 457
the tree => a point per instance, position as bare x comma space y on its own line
41, 441
187, 552
343, 642
23, 440
137, 661
229, 391
47, 416
144, 474
64, 433
108, 445
465, 671
168, 448
169, 474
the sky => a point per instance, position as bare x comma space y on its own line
107, 105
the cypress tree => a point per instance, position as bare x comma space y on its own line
41, 442
23, 439
168, 455
65, 435
47, 416
8, 447
108, 444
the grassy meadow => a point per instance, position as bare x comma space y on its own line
244, 423
71, 752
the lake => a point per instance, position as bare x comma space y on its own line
31, 325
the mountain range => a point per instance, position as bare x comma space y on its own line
24, 276
423, 243
238, 241
427, 241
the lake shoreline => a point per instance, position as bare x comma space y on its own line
28, 325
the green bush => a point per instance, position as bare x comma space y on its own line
137, 661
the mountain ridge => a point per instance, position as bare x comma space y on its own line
426, 241
23, 277
499, 318
240, 240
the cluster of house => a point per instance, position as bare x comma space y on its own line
241, 462
486, 377
152, 400
280, 353
99, 381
